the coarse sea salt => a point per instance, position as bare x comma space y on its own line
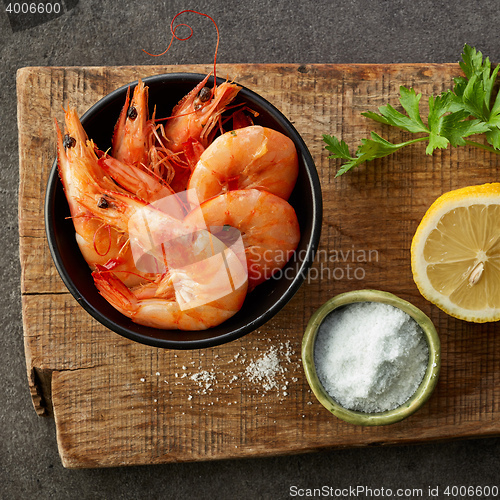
370, 356
265, 369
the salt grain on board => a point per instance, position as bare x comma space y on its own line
205, 379
264, 370
267, 372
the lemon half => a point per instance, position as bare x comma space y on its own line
455, 253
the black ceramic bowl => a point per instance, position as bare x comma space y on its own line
262, 304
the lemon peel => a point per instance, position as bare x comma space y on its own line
455, 253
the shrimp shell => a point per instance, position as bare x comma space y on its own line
144, 183
99, 207
130, 137
194, 118
253, 157
268, 225
196, 297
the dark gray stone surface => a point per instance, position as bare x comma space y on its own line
109, 32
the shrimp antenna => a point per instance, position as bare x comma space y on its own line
173, 29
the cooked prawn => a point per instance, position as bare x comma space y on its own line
193, 297
197, 114
188, 131
191, 126
95, 202
268, 225
253, 157
130, 137
138, 140
150, 262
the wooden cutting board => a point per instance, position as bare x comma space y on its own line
120, 403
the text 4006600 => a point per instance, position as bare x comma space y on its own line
33, 8
471, 491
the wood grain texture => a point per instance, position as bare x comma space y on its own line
120, 403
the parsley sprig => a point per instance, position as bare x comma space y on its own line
470, 108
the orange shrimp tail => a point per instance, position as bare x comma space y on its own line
115, 291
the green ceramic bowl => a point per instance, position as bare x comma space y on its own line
420, 396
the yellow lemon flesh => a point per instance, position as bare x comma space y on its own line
455, 253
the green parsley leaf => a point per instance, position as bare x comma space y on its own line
473, 98
475, 92
438, 106
390, 116
455, 127
467, 109
370, 149
339, 149
493, 137
472, 61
